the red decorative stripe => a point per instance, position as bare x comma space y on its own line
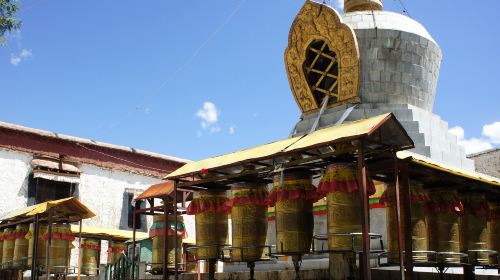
347, 186
60, 236
270, 219
376, 205
170, 232
202, 206
320, 212
280, 195
116, 251
90, 247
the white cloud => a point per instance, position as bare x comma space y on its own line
24, 54
492, 131
209, 115
338, 4
232, 129
472, 145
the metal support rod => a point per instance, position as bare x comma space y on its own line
165, 239
251, 266
211, 269
80, 250
363, 195
133, 241
49, 246
406, 203
399, 225
175, 232
34, 250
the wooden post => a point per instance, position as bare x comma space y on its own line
80, 250
34, 250
398, 218
133, 241
363, 195
165, 239
406, 203
49, 244
176, 272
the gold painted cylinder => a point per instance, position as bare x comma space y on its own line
294, 217
362, 5
443, 228
89, 255
418, 223
115, 251
42, 245
211, 226
8, 248
494, 231
249, 221
474, 228
20, 246
158, 244
60, 248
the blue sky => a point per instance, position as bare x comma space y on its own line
151, 74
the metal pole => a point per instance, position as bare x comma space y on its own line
165, 239
49, 245
34, 250
363, 195
133, 241
406, 202
398, 219
80, 251
175, 232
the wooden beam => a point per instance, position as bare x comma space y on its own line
406, 203
363, 196
398, 219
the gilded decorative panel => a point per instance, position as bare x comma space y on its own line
319, 27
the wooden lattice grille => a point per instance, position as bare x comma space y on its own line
321, 69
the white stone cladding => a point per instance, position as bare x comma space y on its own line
399, 72
14, 171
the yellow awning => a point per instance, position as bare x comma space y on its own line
107, 233
433, 164
69, 209
395, 135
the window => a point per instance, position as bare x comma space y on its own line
130, 218
42, 190
321, 69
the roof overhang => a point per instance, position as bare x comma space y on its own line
380, 134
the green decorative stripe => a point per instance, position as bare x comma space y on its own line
374, 201
320, 208
271, 214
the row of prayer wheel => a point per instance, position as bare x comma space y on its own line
444, 221
293, 195
16, 249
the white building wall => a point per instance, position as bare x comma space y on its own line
14, 171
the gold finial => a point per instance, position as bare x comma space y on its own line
362, 5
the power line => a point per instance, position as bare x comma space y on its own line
178, 70
404, 8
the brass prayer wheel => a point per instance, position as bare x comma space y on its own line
340, 184
89, 255
418, 223
8, 248
210, 212
474, 228
115, 251
294, 195
248, 221
494, 231
20, 246
60, 247
442, 214
156, 234
42, 245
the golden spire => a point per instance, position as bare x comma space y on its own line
362, 5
